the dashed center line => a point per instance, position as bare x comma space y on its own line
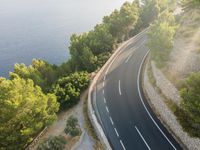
111, 121
107, 109
142, 138
120, 93
128, 58
116, 132
104, 100
122, 145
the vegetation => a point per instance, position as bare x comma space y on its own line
72, 127
24, 110
41, 72
160, 37
190, 104
68, 89
53, 143
26, 105
190, 4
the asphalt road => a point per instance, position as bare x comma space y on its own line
121, 108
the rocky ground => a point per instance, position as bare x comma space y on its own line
185, 56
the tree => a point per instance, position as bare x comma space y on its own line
24, 110
68, 89
151, 10
81, 55
100, 40
121, 22
41, 72
160, 38
53, 143
190, 103
72, 127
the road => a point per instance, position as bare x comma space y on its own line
121, 108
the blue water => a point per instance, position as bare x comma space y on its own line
42, 28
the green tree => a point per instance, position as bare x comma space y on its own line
24, 110
100, 40
190, 103
68, 89
81, 55
53, 143
121, 22
151, 10
160, 38
41, 72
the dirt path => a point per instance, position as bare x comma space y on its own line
57, 128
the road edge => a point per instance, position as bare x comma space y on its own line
144, 67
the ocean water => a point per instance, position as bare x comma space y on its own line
42, 28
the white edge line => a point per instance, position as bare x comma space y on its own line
122, 145
138, 85
111, 121
142, 138
107, 109
116, 132
120, 93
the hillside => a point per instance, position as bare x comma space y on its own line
185, 56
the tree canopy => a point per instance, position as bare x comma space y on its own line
24, 110
68, 89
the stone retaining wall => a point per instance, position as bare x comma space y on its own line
166, 115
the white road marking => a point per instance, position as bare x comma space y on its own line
141, 99
107, 109
103, 83
142, 138
122, 145
116, 132
103, 92
104, 78
120, 92
128, 58
104, 100
111, 121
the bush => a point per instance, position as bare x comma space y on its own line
190, 103
72, 127
68, 89
53, 143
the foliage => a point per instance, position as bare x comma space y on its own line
190, 4
53, 143
68, 89
160, 38
190, 103
102, 58
24, 110
151, 10
41, 72
72, 127
121, 22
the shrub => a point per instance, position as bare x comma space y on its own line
72, 127
53, 143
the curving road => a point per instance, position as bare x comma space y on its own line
121, 108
